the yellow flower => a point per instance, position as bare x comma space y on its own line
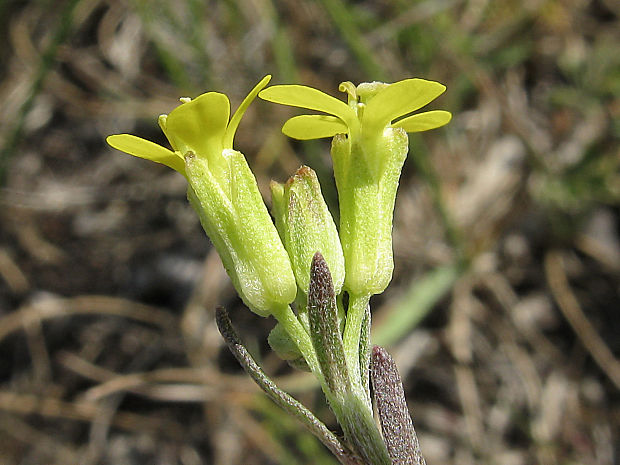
368, 150
200, 126
371, 107
224, 193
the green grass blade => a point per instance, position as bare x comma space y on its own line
415, 304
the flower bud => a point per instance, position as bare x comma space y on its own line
286, 348
306, 227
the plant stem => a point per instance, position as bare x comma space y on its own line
287, 318
351, 337
360, 430
281, 398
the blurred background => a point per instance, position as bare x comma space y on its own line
503, 311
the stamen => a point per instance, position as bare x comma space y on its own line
359, 108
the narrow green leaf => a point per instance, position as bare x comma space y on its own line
415, 304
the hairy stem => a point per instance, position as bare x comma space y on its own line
281, 398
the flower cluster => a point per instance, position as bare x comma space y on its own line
304, 258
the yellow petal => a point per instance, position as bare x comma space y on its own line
236, 118
307, 97
200, 124
143, 148
306, 127
424, 121
398, 99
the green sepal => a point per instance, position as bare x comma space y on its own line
284, 346
299, 364
234, 216
367, 174
278, 207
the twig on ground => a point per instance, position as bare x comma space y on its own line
569, 305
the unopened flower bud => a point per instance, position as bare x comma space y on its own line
306, 227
